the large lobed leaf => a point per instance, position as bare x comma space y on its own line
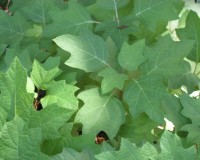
88, 51
14, 99
100, 113
171, 149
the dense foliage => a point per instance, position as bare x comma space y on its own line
75, 71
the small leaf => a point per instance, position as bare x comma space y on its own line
131, 56
111, 80
42, 77
62, 95
36, 31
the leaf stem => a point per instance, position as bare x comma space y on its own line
116, 13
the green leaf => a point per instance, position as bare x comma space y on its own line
38, 10
70, 21
138, 129
171, 148
61, 94
49, 120
158, 64
131, 56
129, 151
71, 154
19, 142
153, 13
42, 77
173, 108
145, 95
97, 113
14, 99
112, 4
88, 51
36, 31
191, 110
111, 80
12, 27
191, 32
2, 49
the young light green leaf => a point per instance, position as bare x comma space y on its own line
191, 32
61, 94
111, 80
70, 21
153, 13
19, 142
145, 95
88, 51
14, 99
100, 113
131, 56
42, 77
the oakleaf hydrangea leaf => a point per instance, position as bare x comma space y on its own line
191, 110
12, 27
191, 32
42, 77
14, 99
100, 113
152, 12
112, 4
69, 21
131, 56
70, 154
111, 80
61, 94
171, 149
50, 119
38, 10
88, 51
19, 142
145, 95
158, 64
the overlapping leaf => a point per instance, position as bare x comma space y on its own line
19, 142
69, 21
153, 13
62, 95
191, 110
131, 56
14, 100
111, 80
12, 28
42, 77
191, 32
100, 113
88, 51
145, 95
171, 148
165, 59
37, 11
